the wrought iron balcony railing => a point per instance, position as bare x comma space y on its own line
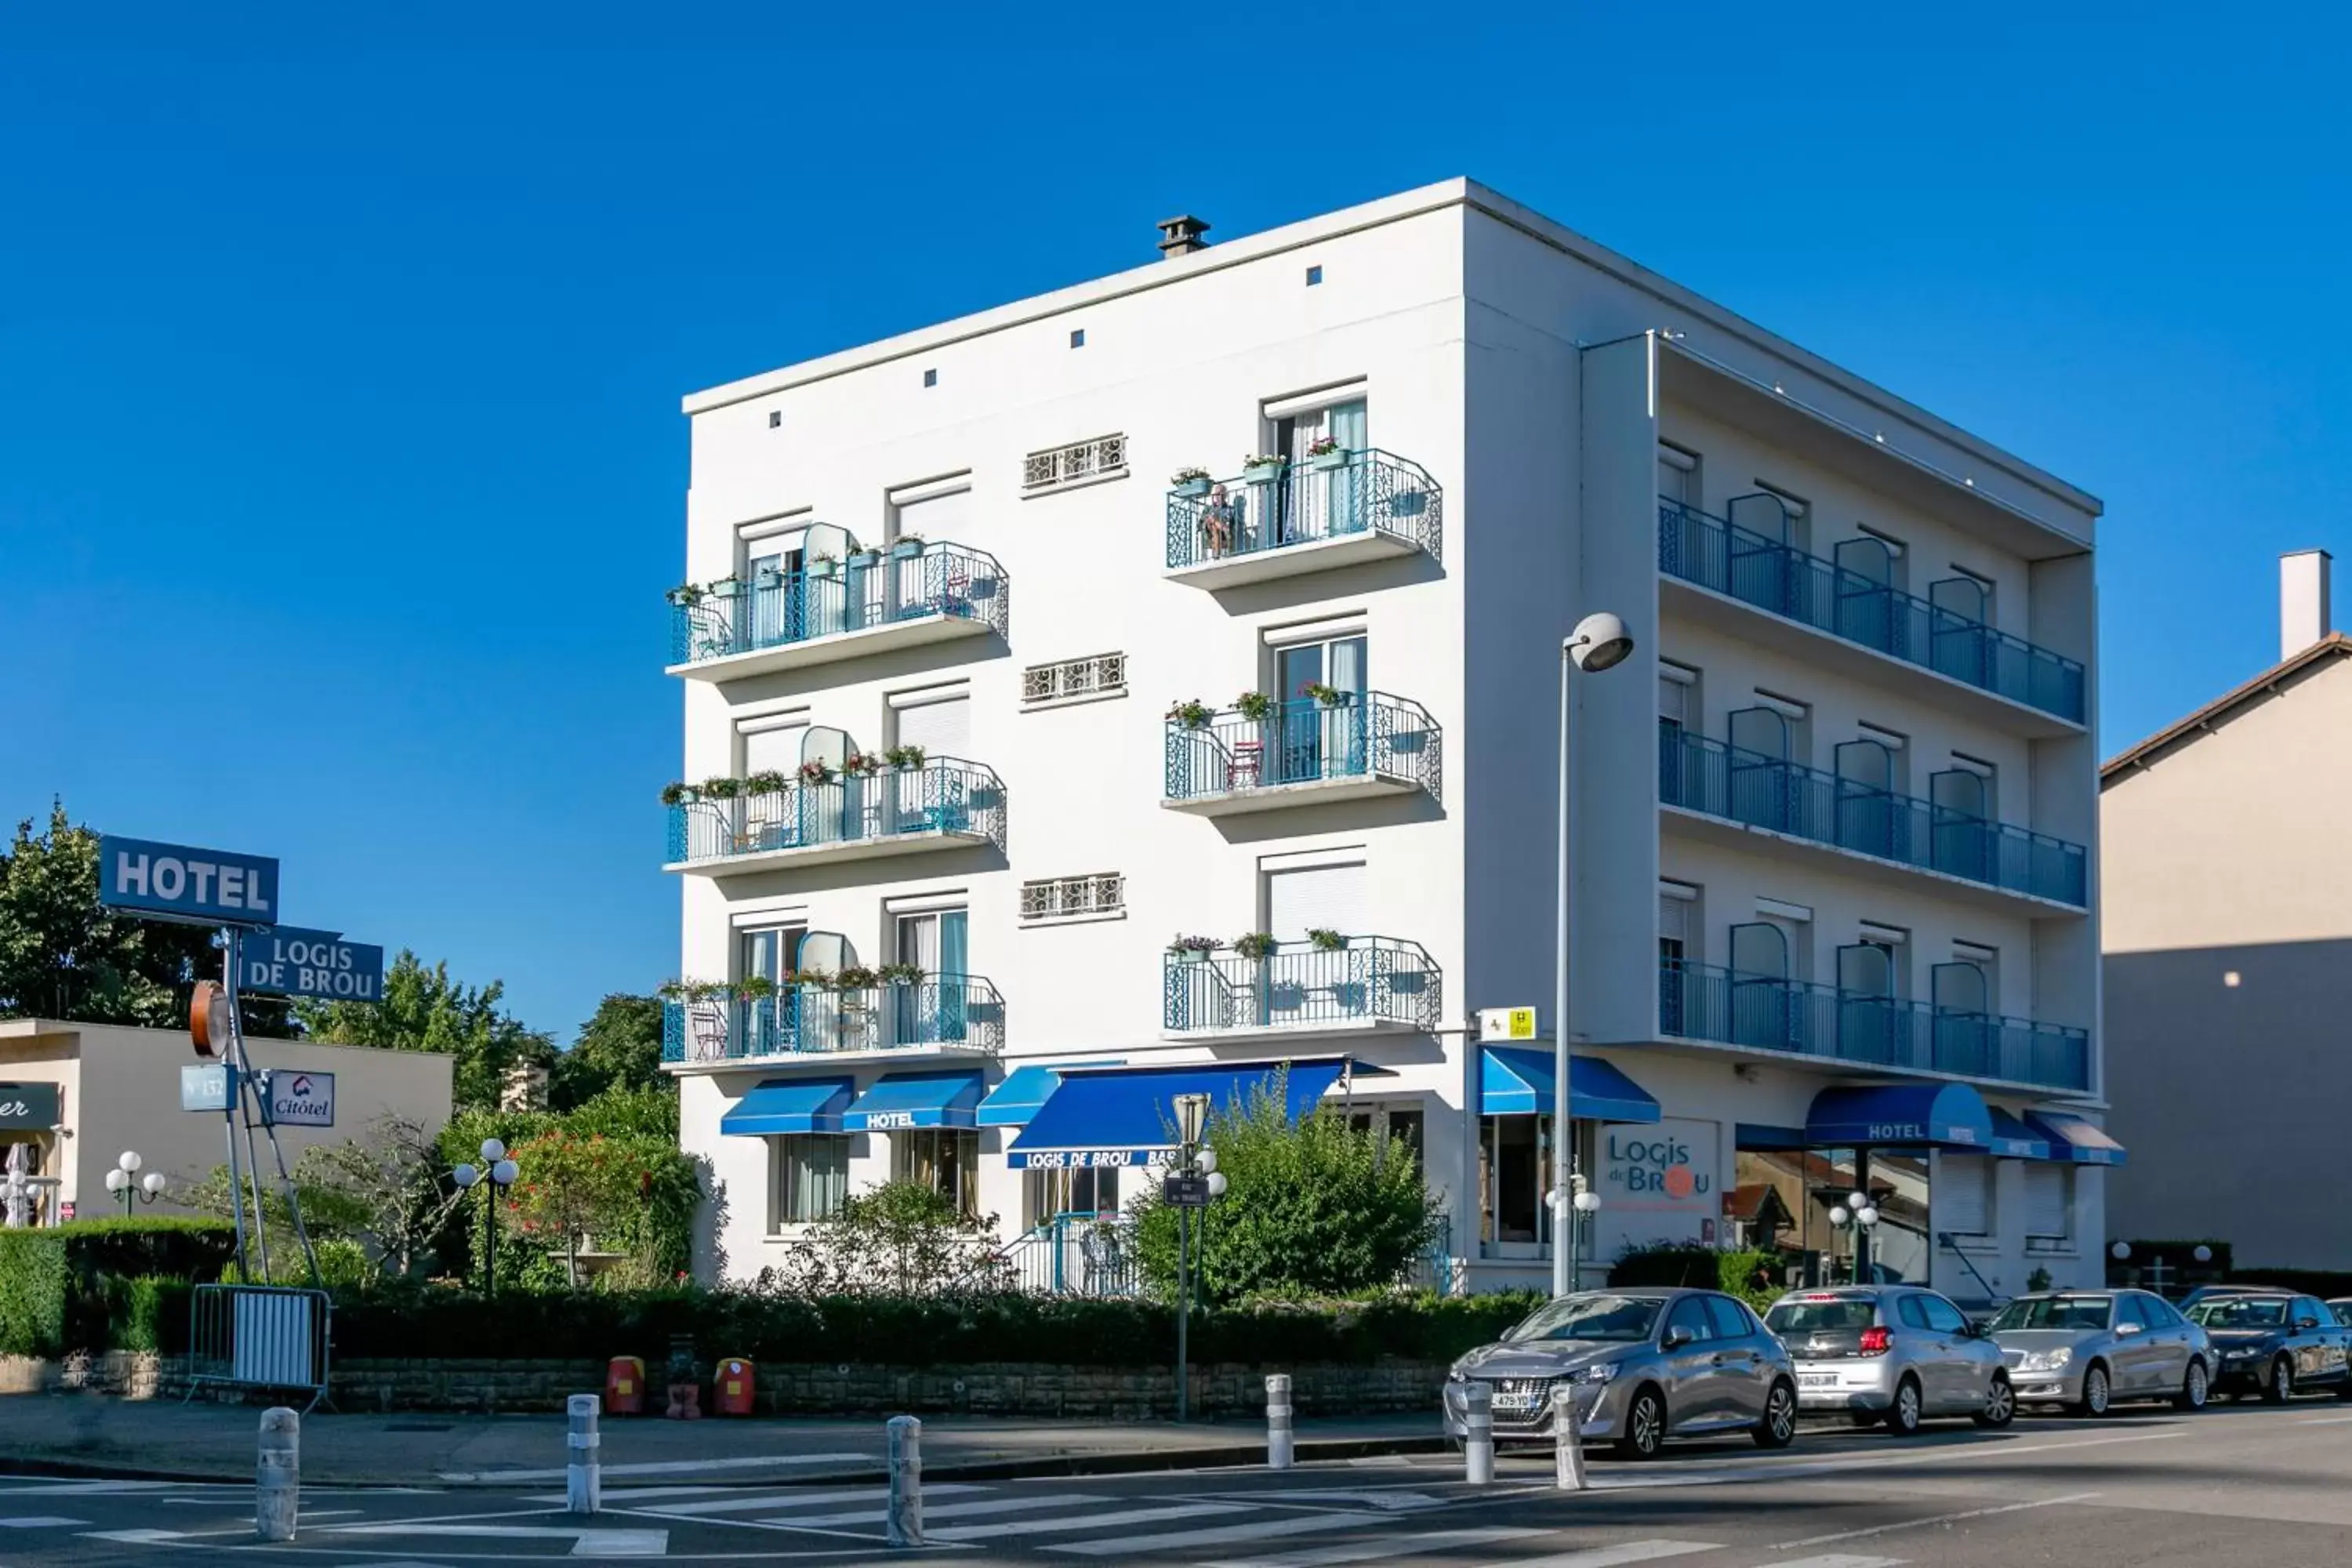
1768, 1014
1372, 735
1302, 502
1759, 570
870, 589
944, 798
1737, 785
808, 1018
1370, 981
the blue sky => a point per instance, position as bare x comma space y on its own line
341, 464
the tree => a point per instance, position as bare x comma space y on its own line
64, 955
1312, 1209
382, 1191
903, 1238
423, 1010
620, 1048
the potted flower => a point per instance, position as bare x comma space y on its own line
722, 788
768, 781
1324, 452
678, 793
1192, 713
1329, 696
816, 771
904, 758
824, 564
856, 977
1192, 949
1255, 945
686, 595
1191, 482
1254, 706
755, 988
1262, 468
907, 545
705, 990
900, 973
768, 577
863, 556
1326, 940
861, 764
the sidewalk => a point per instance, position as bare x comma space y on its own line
92, 1435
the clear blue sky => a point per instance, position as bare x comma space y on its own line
341, 347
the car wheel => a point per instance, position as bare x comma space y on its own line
2279, 1388
1645, 1432
2196, 1388
1778, 1428
2001, 1403
1903, 1416
2098, 1393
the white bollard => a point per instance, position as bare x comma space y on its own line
1567, 1440
904, 1526
1478, 1432
1278, 1445
277, 1475
583, 1474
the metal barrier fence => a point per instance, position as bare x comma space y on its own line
1372, 735
869, 589
1371, 979
259, 1336
1285, 504
945, 795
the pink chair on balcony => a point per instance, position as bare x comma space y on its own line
709, 1028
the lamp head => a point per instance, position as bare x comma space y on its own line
1598, 642
116, 1180
1588, 1202
1216, 1184
1838, 1215
1205, 1162
504, 1172
1857, 1200
466, 1176
1865, 1216
154, 1182
129, 1159
493, 1151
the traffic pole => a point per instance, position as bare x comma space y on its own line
1278, 1445
277, 1475
583, 1485
904, 1523
1478, 1433
1566, 1441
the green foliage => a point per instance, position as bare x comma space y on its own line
54, 1283
1753, 1276
33, 1289
655, 1226
145, 1312
1313, 1208
382, 1193
620, 1048
423, 1010
904, 1239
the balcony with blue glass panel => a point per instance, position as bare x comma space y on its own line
1754, 800
1742, 574
1870, 1030
1357, 745
828, 815
875, 1017
821, 609
1365, 985
1285, 519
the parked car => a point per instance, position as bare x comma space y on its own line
2273, 1343
2087, 1349
1647, 1365
1895, 1353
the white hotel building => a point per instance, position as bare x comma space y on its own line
1835, 819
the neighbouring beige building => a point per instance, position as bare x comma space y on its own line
78, 1096
2226, 879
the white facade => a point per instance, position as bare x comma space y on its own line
1523, 380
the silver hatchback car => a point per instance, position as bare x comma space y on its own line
1647, 1365
1895, 1353
2087, 1349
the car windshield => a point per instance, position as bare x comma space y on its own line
1615, 1317
2056, 1312
2238, 1312
1809, 1314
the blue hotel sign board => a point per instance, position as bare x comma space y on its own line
177, 882
291, 961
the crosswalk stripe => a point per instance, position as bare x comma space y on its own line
948, 1511
1370, 1551
1084, 1521
1840, 1560
1292, 1524
40, 1522
1650, 1551
743, 1502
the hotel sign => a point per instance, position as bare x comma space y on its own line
175, 882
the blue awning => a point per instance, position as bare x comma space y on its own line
1123, 1116
1024, 1092
2014, 1139
909, 1100
1762, 1138
1877, 1115
1517, 1080
790, 1105
2075, 1139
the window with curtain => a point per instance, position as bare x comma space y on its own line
811, 1172
944, 1159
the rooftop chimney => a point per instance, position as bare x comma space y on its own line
1182, 236
2302, 601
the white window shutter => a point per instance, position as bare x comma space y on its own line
938, 518
942, 729
2048, 1196
1962, 1199
776, 750
1326, 897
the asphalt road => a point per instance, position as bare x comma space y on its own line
2235, 1484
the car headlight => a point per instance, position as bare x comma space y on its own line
1599, 1372
2046, 1360
2247, 1354
1455, 1374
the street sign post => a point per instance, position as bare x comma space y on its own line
195, 887
1508, 1023
208, 1086
292, 1098
288, 961
1185, 1192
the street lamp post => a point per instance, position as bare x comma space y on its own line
1600, 642
496, 1171
125, 1182
1862, 1214
1192, 1162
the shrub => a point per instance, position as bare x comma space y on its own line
903, 1238
148, 1312
54, 1282
1750, 1275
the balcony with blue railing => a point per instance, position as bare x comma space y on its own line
1348, 745
1759, 570
1282, 518
929, 1015
1367, 984
1794, 1017
1747, 789
942, 802
907, 595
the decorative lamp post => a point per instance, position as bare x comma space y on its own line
1195, 1183
496, 1171
125, 1182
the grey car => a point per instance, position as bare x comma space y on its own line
2087, 1349
1895, 1353
1645, 1365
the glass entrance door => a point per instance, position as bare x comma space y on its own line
1321, 713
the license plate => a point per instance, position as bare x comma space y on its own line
1515, 1402
1818, 1380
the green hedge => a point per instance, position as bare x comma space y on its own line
59, 1287
1702, 1268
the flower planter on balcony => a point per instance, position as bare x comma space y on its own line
1324, 461
1192, 489
928, 592
1281, 520
1260, 473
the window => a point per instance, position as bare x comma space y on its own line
1314, 276
1731, 1320
1074, 680
1047, 1195
770, 954
932, 512
2309, 1310
769, 746
1077, 337
934, 942
1074, 897
944, 1159
941, 725
1405, 1130
1080, 462
1798, 511
2160, 1313
775, 419
1912, 1310
812, 1177
1942, 1316
1690, 1314
1678, 475
1318, 898
2132, 1312
2049, 1201
930, 378
1962, 1196
1677, 695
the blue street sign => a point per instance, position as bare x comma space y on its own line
206, 1087
292, 961
175, 882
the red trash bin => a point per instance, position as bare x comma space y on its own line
625, 1386
731, 1383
